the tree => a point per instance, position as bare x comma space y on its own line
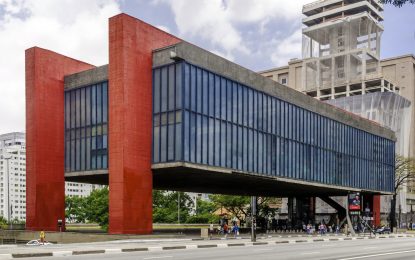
75, 209
204, 213
93, 208
239, 206
397, 3
165, 206
3, 223
96, 207
404, 173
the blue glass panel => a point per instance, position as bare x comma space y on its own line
171, 89
218, 136
164, 89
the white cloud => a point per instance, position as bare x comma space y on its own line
219, 22
287, 48
75, 28
164, 28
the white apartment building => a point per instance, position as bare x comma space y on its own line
13, 178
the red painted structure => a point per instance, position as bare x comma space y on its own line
376, 210
130, 119
45, 182
130, 101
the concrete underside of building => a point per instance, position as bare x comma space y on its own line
128, 161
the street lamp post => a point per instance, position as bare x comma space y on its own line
253, 220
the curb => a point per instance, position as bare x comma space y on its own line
182, 247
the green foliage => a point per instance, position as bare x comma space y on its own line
97, 207
165, 205
75, 209
239, 206
397, 3
3, 223
204, 213
93, 208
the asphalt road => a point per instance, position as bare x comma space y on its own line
398, 248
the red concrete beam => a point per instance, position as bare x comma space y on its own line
130, 120
45, 181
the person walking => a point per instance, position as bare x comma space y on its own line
211, 230
225, 229
235, 230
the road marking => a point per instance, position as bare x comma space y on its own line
263, 249
113, 251
62, 253
370, 247
158, 257
310, 253
155, 248
381, 254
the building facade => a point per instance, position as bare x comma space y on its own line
167, 114
13, 178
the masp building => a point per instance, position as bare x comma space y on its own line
167, 114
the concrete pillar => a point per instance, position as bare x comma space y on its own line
45, 180
130, 121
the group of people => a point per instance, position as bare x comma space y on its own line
322, 229
224, 229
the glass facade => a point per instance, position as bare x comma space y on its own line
205, 118
86, 128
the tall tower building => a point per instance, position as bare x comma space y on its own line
341, 48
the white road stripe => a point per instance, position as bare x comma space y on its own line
62, 253
159, 257
381, 254
310, 253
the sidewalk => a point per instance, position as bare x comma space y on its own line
19, 251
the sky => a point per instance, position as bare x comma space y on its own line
259, 34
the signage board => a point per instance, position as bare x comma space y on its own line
354, 201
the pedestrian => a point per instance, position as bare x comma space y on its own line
235, 230
42, 237
210, 230
225, 229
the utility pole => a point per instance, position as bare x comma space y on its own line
253, 218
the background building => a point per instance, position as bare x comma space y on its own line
341, 65
13, 178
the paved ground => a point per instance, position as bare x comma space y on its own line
387, 248
293, 247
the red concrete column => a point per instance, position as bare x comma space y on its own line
130, 119
376, 210
45, 182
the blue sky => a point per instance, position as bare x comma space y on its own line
397, 39
256, 34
